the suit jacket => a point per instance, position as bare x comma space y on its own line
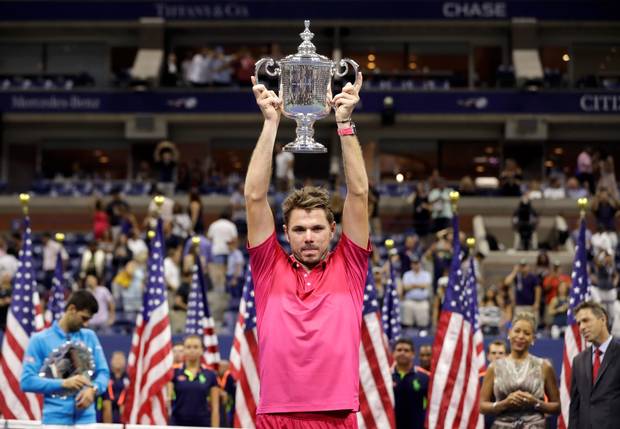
596, 406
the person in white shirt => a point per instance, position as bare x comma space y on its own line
234, 270
220, 232
51, 249
8, 262
285, 176
554, 191
199, 72
415, 307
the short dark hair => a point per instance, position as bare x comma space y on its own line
597, 309
307, 198
194, 336
407, 341
83, 300
497, 343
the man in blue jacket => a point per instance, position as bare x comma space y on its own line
67, 401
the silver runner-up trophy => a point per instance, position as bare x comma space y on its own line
305, 82
69, 359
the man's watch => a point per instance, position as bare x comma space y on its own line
351, 130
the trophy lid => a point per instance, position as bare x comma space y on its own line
306, 49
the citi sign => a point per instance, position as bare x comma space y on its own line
600, 103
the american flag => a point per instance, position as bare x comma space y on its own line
150, 360
574, 343
244, 358
458, 351
390, 311
199, 321
23, 319
56, 303
376, 391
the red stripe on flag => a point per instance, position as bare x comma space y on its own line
369, 420
468, 359
449, 388
14, 345
376, 371
15, 388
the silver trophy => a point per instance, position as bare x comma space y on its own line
305, 82
71, 358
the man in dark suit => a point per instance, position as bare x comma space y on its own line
595, 383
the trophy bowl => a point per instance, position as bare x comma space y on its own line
305, 88
72, 358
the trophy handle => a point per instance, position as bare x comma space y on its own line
343, 68
269, 63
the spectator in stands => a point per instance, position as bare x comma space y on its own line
144, 173
228, 387
574, 190
5, 298
235, 267
115, 209
543, 265
534, 190
490, 312
243, 67
551, 282
607, 177
525, 289
101, 223
421, 211
585, 173
195, 212
128, 285
467, 186
222, 69
220, 232
172, 268
558, 308
166, 157
93, 261
121, 254
285, 175
194, 391
410, 387
8, 262
524, 221
103, 319
237, 203
416, 307
605, 209
411, 249
114, 396
171, 74
181, 223
441, 208
51, 250
199, 71
604, 280
520, 388
426, 357
510, 179
554, 191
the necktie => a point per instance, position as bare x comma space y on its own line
597, 364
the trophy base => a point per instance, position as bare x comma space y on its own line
304, 147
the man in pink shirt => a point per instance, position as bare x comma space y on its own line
308, 303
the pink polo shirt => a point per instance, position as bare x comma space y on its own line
308, 328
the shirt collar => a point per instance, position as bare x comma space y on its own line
603, 347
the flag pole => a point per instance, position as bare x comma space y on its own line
24, 199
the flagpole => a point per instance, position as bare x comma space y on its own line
582, 203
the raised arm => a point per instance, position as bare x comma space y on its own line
355, 211
259, 216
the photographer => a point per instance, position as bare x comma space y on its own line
69, 394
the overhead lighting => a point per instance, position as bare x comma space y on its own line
549, 164
400, 177
104, 159
488, 150
371, 66
413, 65
371, 57
558, 151
565, 58
480, 169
